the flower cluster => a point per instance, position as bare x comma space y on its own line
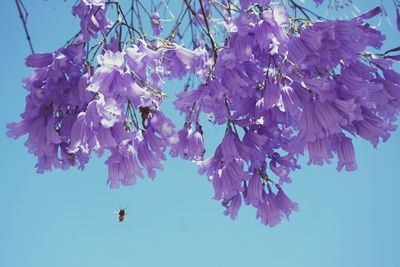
281, 86
92, 15
74, 109
55, 99
282, 93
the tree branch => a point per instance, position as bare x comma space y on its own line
24, 20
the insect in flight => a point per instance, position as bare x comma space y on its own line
121, 215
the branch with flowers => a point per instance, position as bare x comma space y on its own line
280, 78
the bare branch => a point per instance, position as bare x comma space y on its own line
24, 19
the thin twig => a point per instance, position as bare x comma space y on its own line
24, 20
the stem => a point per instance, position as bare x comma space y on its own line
304, 10
214, 48
24, 20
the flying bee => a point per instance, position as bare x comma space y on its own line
121, 215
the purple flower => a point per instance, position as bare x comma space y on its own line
54, 97
123, 166
79, 135
284, 203
232, 206
280, 87
110, 112
268, 211
345, 151
326, 43
93, 18
253, 194
179, 60
318, 2
372, 128
226, 177
152, 142
188, 144
148, 158
319, 151
39, 60
155, 23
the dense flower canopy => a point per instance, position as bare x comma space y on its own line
282, 86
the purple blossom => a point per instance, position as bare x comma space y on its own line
282, 88
253, 193
318, 2
52, 100
284, 203
345, 151
123, 166
156, 23
92, 14
232, 206
39, 60
268, 211
188, 143
147, 157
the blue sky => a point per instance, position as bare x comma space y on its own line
66, 218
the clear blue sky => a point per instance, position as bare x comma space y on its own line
66, 219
